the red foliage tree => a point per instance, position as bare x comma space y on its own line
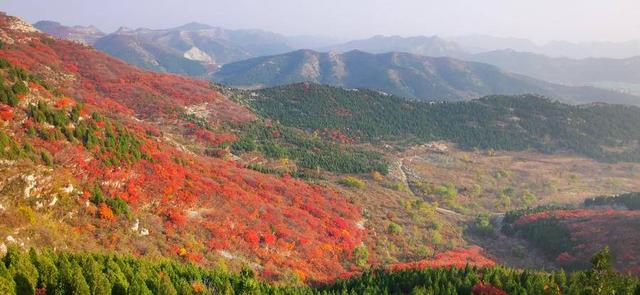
252, 238
176, 217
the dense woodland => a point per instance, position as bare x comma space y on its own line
603, 132
49, 272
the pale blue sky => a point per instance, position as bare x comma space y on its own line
541, 20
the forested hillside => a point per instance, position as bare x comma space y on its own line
64, 273
603, 132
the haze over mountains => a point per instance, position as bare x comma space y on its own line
483, 43
605, 72
238, 57
428, 46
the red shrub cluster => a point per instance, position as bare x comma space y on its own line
458, 257
214, 139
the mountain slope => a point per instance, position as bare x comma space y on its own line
421, 45
403, 74
97, 152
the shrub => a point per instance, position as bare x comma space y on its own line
399, 186
106, 212
448, 191
394, 228
360, 256
46, 158
482, 225
353, 182
377, 176
119, 206
19, 87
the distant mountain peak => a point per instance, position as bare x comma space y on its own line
84, 34
43, 23
123, 30
421, 45
48, 25
194, 26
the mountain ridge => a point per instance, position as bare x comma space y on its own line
402, 74
168, 50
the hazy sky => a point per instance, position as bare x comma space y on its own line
541, 20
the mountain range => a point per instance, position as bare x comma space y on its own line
604, 72
524, 57
402, 74
421, 45
565, 49
193, 49
200, 50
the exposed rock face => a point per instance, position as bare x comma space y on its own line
198, 55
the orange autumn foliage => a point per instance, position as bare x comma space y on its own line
105, 212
